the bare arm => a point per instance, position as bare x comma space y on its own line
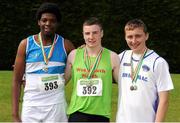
162, 106
69, 63
19, 68
115, 65
68, 46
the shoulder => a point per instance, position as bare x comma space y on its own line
68, 45
114, 54
72, 55
21, 51
73, 52
114, 58
23, 43
124, 52
157, 58
76, 51
159, 63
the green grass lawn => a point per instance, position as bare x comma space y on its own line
173, 114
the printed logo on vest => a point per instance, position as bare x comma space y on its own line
145, 68
126, 64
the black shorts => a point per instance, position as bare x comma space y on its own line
83, 117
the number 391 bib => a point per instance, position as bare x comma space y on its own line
50, 83
89, 87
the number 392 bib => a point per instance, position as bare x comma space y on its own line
89, 87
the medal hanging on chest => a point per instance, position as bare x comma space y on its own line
46, 59
45, 68
133, 87
134, 73
88, 64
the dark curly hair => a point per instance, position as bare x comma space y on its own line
49, 8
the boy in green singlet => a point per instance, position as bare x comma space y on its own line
91, 69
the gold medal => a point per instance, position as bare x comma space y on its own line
87, 63
46, 58
45, 69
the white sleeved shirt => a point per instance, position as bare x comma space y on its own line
141, 105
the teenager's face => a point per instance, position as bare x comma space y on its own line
92, 35
48, 24
136, 39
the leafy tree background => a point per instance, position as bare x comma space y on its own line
17, 21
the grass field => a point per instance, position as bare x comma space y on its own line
173, 114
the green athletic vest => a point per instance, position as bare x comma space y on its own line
96, 105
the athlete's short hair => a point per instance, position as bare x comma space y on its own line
49, 8
135, 23
92, 21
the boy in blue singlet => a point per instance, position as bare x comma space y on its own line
42, 57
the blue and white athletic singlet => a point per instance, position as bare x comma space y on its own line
141, 105
34, 95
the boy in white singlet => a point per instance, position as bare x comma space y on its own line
144, 79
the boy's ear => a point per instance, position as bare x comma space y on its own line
102, 33
38, 22
147, 36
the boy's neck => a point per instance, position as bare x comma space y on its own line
93, 51
139, 52
47, 40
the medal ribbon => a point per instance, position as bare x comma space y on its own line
46, 59
87, 62
135, 73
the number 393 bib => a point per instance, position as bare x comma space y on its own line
89, 87
50, 83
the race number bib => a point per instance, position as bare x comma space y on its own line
89, 87
50, 83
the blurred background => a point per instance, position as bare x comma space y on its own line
162, 17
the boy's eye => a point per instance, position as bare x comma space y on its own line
86, 33
137, 36
43, 20
130, 37
50, 20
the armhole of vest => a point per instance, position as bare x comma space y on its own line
155, 62
75, 56
107, 53
27, 44
63, 44
122, 56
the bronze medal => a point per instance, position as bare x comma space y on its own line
131, 87
134, 73
135, 87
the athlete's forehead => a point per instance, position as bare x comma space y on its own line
134, 31
133, 27
87, 28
